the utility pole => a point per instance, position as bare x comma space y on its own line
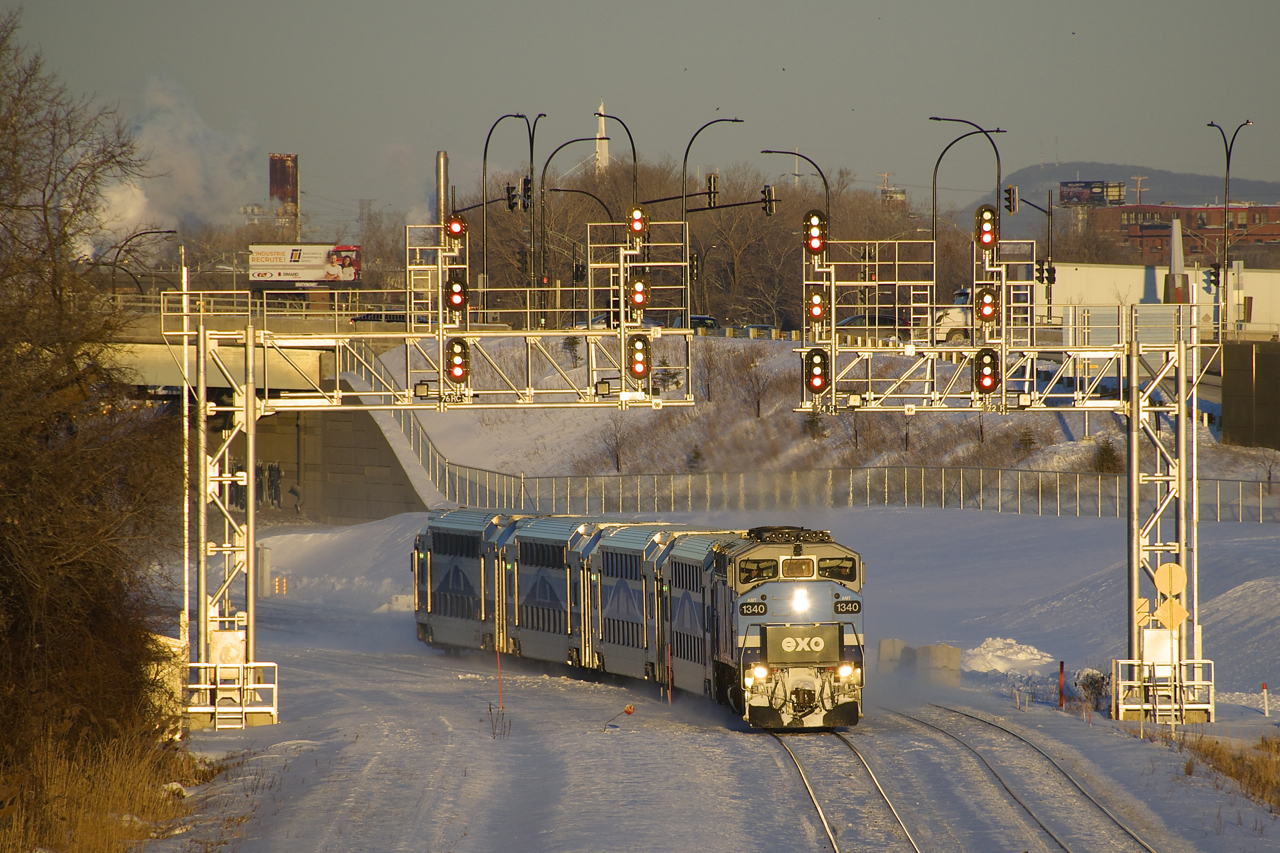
1139, 179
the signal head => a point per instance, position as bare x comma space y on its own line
637, 221
817, 376
456, 226
815, 232
986, 304
986, 226
986, 371
456, 295
457, 360
638, 356
638, 293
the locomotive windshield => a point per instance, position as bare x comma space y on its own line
838, 568
800, 568
750, 571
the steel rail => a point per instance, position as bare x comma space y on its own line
994, 773
880, 788
812, 796
1061, 769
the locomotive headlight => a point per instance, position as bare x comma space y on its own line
845, 670
800, 602
760, 672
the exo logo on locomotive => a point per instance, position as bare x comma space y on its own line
803, 644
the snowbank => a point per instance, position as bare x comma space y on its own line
999, 655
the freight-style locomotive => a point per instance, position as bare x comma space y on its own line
767, 620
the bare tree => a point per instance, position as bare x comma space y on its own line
87, 474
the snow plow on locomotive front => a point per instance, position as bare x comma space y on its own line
798, 628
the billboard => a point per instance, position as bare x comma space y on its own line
1090, 193
304, 264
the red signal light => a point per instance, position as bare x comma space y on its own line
456, 225
816, 375
815, 230
637, 221
457, 295
457, 360
639, 293
986, 371
987, 304
986, 226
638, 356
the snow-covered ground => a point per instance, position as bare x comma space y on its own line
388, 745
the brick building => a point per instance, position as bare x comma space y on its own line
1144, 228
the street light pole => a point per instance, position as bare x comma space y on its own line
533, 211
826, 188
933, 222
484, 210
1226, 213
635, 164
542, 196
116, 263
684, 200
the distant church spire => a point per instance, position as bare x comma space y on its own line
602, 144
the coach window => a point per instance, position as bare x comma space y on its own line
798, 568
750, 571
838, 568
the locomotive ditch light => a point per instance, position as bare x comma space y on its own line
760, 672
845, 670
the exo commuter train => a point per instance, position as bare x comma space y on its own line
767, 620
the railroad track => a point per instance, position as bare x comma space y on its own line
879, 841
1053, 798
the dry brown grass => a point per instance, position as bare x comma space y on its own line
1255, 769
99, 798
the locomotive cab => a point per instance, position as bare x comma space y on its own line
799, 630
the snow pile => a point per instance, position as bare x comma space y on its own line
999, 655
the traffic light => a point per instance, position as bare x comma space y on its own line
456, 225
457, 360
695, 268
815, 302
638, 356
815, 232
768, 200
526, 193
523, 256
513, 200
986, 227
986, 304
638, 222
986, 371
579, 273
456, 295
1011, 201
1215, 275
816, 376
1040, 272
1051, 274
713, 189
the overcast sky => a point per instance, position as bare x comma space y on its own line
366, 93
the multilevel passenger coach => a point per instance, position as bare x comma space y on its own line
767, 620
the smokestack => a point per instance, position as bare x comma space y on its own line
442, 186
